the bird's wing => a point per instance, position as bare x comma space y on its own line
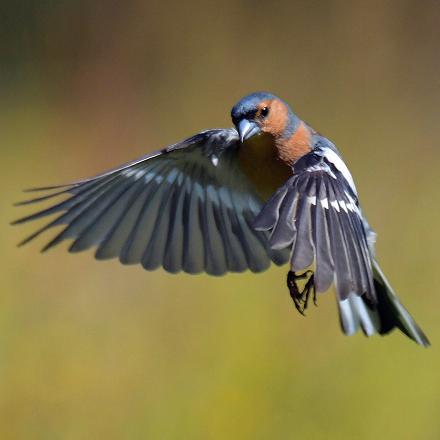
316, 214
187, 207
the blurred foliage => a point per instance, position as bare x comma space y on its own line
98, 350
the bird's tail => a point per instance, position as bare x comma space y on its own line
382, 317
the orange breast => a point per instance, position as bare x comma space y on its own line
260, 162
290, 150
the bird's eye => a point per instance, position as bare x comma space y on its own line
264, 112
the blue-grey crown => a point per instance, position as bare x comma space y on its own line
248, 105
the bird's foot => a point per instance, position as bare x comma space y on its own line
301, 297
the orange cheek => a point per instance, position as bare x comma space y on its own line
276, 121
265, 128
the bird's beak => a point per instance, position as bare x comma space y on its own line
247, 129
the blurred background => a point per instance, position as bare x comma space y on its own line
98, 350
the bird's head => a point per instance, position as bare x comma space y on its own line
263, 113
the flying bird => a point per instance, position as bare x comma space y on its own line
271, 189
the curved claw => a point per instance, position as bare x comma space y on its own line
301, 298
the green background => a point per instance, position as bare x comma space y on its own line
94, 350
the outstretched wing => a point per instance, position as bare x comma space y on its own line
316, 214
187, 207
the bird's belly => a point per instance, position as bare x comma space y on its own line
260, 163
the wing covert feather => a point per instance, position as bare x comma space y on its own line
316, 214
186, 208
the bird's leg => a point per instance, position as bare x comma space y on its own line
301, 298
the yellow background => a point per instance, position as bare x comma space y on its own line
94, 350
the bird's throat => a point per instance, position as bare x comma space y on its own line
260, 161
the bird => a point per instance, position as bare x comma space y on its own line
271, 189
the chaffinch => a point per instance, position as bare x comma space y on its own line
271, 189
